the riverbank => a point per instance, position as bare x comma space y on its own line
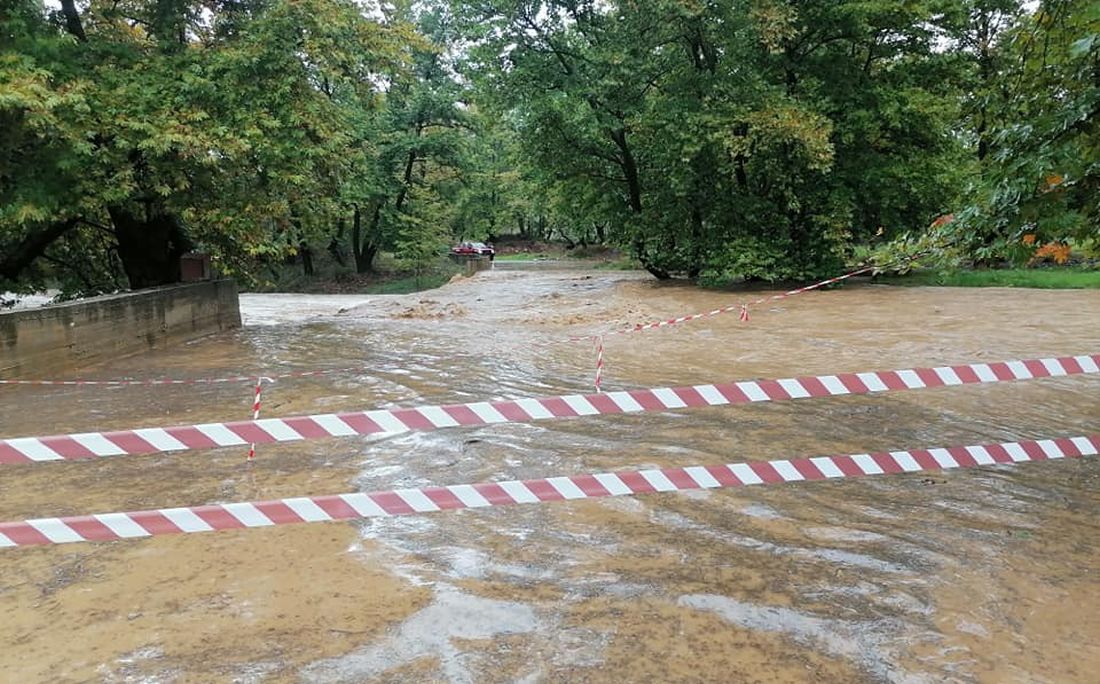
1036, 278
1040, 277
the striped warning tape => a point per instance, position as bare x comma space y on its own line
425, 418
163, 521
599, 364
256, 400
186, 381
742, 309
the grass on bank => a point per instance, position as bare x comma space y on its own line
408, 283
331, 277
620, 264
1041, 278
523, 256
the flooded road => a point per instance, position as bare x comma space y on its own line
980, 575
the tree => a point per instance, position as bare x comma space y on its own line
419, 124
1040, 172
727, 140
171, 123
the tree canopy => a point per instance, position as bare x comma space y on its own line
717, 140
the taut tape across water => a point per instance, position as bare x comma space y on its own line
163, 521
426, 418
742, 309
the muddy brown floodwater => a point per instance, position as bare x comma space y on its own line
981, 575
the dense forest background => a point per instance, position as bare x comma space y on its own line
712, 139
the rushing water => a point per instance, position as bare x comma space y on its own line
982, 575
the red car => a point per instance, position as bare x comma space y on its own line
474, 249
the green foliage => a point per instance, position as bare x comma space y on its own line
419, 140
424, 233
1038, 143
742, 139
748, 258
413, 283
223, 126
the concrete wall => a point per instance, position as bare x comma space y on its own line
478, 263
49, 341
471, 264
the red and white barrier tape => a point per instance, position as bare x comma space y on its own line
190, 381
426, 418
599, 363
256, 411
164, 521
742, 315
741, 309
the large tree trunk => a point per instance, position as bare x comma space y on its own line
72, 20
307, 258
695, 267
634, 190
647, 263
569, 243
15, 259
336, 243
364, 247
630, 169
407, 178
149, 246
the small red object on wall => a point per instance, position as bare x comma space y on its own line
194, 266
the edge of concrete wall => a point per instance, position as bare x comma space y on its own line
61, 337
478, 263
